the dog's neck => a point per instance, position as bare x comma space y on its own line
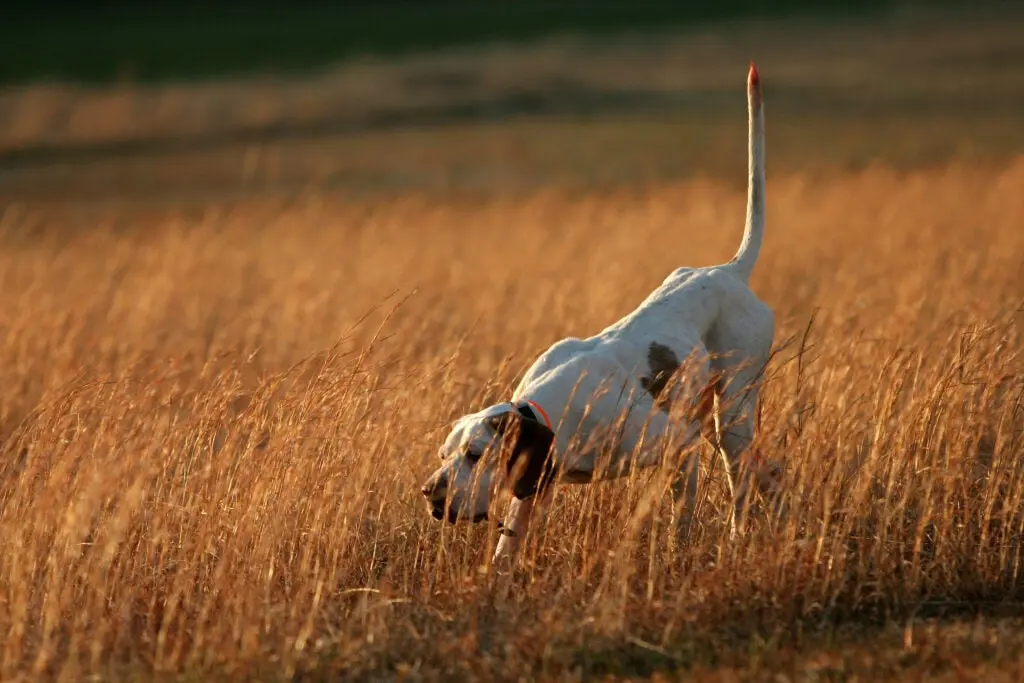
532, 411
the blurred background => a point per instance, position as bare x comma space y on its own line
118, 100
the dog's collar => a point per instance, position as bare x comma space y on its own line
533, 411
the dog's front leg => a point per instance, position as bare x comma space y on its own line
746, 471
514, 528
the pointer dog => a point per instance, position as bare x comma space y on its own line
681, 365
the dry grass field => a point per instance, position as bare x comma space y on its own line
215, 417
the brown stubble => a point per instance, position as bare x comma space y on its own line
215, 422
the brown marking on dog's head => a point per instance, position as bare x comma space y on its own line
526, 453
664, 363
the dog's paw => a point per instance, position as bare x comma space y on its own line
769, 477
683, 526
503, 563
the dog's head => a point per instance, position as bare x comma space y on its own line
498, 446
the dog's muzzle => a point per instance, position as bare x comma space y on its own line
437, 511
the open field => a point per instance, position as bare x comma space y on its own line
227, 361
207, 465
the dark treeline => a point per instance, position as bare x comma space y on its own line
100, 42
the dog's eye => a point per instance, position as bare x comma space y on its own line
472, 456
498, 423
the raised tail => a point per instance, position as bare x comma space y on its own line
753, 232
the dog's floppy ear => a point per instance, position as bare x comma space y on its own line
525, 452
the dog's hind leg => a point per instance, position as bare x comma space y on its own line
696, 419
735, 420
686, 477
684, 484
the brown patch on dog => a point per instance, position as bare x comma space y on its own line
664, 363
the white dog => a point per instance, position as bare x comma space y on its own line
684, 363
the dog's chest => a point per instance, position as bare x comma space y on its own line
578, 476
615, 463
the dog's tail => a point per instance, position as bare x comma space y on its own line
753, 232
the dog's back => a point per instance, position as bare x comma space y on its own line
695, 314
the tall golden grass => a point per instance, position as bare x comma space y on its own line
215, 422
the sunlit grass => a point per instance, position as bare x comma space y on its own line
214, 426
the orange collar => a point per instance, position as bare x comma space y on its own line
539, 411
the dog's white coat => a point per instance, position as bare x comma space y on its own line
592, 390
